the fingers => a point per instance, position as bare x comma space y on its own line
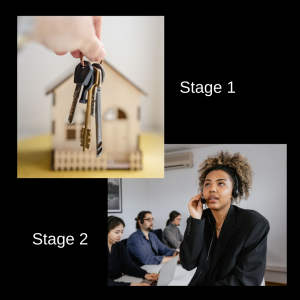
154, 276
75, 54
194, 200
195, 206
93, 49
80, 33
61, 53
98, 26
101, 55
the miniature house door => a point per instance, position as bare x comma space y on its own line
115, 135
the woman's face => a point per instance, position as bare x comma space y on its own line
217, 189
116, 233
177, 220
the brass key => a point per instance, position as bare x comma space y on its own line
95, 93
85, 131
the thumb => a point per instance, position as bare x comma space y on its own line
93, 49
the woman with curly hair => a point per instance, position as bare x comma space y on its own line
226, 243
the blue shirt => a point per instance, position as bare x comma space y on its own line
140, 251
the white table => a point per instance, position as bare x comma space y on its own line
181, 276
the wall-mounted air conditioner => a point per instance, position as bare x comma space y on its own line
178, 161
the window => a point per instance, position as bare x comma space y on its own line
71, 134
121, 114
113, 113
110, 114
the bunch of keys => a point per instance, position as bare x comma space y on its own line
88, 79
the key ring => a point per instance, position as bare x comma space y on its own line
81, 59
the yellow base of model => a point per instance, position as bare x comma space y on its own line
34, 160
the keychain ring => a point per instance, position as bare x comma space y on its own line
81, 59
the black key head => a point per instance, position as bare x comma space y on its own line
86, 88
82, 74
99, 66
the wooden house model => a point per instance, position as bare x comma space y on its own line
120, 111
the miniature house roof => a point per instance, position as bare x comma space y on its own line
51, 90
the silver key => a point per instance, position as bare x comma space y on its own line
98, 122
98, 113
94, 101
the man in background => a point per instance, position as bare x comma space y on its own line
144, 247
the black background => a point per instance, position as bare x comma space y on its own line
196, 52
63, 207
212, 51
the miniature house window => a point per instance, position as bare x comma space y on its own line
113, 114
121, 114
71, 134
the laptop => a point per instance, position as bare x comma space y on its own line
166, 273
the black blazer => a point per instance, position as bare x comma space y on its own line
119, 262
239, 258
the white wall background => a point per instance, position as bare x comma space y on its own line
268, 196
134, 46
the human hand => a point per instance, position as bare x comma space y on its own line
175, 254
152, 276
140, 284
77, 34
195, 206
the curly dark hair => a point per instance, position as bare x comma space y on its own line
235, 165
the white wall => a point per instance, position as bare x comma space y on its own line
268, 196
134, 46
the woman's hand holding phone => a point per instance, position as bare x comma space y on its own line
196, 207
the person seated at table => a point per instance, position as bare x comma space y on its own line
144, 247
118, 260
172, 236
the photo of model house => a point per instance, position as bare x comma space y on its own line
120, 113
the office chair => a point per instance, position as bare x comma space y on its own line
158, 233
